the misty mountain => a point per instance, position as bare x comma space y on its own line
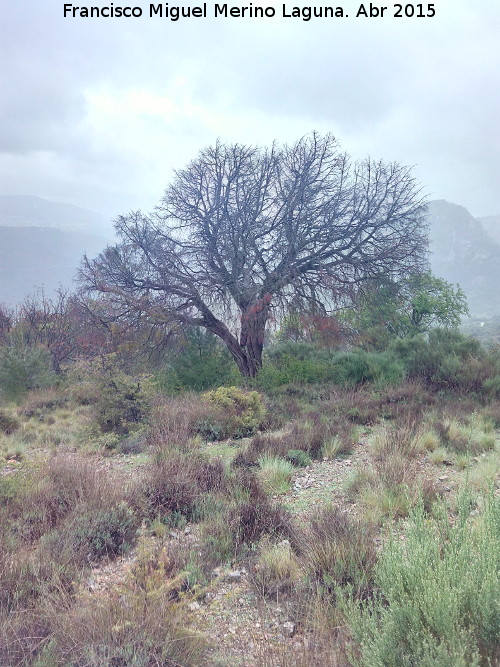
463, 252
492, 225
29, 211
42, 244
32, 257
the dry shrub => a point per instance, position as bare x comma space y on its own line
340, 550
175, 422
8, 423
248, 521
41, 401
492, 412
406, 402
64, 484
276, 569
359, 407
28, 575
248, 515
262, 444
115, 631
173, 487
309, 435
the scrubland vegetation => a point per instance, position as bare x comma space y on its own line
180, 486
255, 436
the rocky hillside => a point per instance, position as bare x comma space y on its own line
463, 252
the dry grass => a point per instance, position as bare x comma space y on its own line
392, 483
276, 570
340, 550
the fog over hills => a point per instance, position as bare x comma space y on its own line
492, 226
29, 211
42, 243
463, 252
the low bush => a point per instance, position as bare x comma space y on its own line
8, 423
339, 551
240, 413
41, 402
463, 438
121, 405
91, 535
392, 482
276, 569
24, 367
431, 607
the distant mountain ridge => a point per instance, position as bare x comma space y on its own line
42, 244
33, 257
463, 252
31, 211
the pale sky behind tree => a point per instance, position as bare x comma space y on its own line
99, 112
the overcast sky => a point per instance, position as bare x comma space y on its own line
98, 112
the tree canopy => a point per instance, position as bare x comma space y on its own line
414, 305
243, 232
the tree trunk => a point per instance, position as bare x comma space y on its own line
247, 352
253, 327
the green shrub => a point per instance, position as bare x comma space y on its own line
275, 474
298, 457
240, 413
202, 363
301, 363
449, 361
121, 406
353, 369
306, 363
24, 367
438, 592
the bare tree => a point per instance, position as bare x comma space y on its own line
43, 320
243, 231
